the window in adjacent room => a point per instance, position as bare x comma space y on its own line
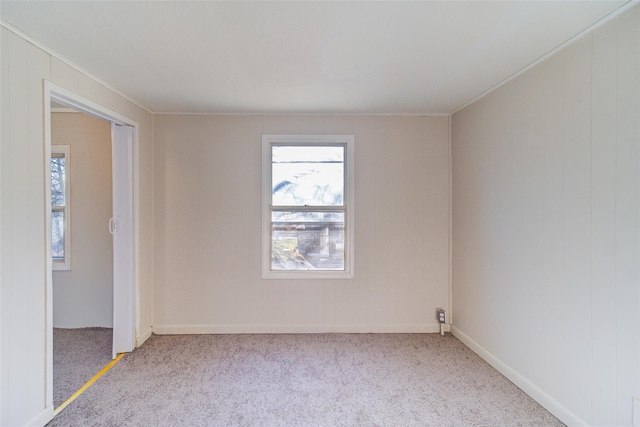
60, 211
307, 206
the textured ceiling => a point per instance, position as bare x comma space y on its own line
303, 57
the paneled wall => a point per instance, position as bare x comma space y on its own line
546, 227
22, 231
22, 219
208, 228
83, 296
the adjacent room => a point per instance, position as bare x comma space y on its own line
82, 295
320, 213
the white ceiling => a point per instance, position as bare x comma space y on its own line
303, 57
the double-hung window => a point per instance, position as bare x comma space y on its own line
60, 211
307, 206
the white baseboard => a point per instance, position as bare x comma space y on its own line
294, 329
544, 399
144, 336
42, 418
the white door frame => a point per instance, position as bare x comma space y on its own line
65, 97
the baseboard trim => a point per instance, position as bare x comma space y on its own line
144, 336
42, 418
293, 329
536, 393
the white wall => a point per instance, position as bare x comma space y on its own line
546, 227
83, 296
22, 226
208, 228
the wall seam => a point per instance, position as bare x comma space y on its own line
615, 218
591, 225
152, 308
450, 139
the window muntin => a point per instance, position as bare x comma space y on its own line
60, 211
307, 214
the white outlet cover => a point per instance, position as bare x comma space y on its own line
636, 412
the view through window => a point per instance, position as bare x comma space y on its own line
60, 207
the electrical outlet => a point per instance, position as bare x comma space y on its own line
441, 315
636, 412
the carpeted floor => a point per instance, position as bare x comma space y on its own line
78, 354
304, 380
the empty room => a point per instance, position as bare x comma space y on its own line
317, 213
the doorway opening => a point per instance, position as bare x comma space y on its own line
116, 295
81, 195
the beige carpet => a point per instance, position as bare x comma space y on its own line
304, 380
78, 354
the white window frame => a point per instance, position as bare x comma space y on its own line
64, 151
306, 140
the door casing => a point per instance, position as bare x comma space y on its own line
128, 319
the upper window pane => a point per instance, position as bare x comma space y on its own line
58, 181
307, 175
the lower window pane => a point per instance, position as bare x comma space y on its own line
307, 240
57, 235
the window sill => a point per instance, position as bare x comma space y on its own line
61, 266
306, 275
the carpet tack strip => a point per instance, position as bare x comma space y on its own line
88, 384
